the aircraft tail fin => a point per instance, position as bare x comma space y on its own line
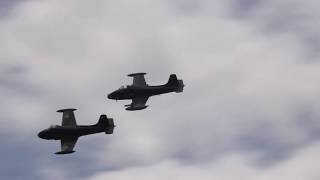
106, 123
176, 83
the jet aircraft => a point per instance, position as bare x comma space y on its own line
69, 132
139, 92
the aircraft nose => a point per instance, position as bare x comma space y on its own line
111, 96
41, 135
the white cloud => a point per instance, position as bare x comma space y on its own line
50, 173
293, 18
245, 88
304, 165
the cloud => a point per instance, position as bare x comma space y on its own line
6, 6
294, 18
249, 91
235, 166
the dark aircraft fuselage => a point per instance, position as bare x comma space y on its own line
139, 92
131, 92
58, 132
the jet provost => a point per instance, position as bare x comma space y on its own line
139, 92
69, 131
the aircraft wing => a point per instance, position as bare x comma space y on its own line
139, 101
137, 104
68, 118
67, 145
138, 79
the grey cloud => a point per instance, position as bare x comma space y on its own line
242, 8
25, 157
13, 79
295, 17
237, 93
298, 167
7, 5
189, 7
18, 157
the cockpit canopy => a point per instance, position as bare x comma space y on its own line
123, 87
53, 126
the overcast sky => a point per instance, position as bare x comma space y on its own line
250, 109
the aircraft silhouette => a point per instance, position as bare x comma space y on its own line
69, 132
140, 91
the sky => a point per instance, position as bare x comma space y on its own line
249, 109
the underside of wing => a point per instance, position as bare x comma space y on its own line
67, 145
68, 118
138, 79
137, 104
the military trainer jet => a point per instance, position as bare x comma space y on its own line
69, 132
140, 91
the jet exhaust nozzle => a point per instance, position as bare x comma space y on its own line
180, 87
